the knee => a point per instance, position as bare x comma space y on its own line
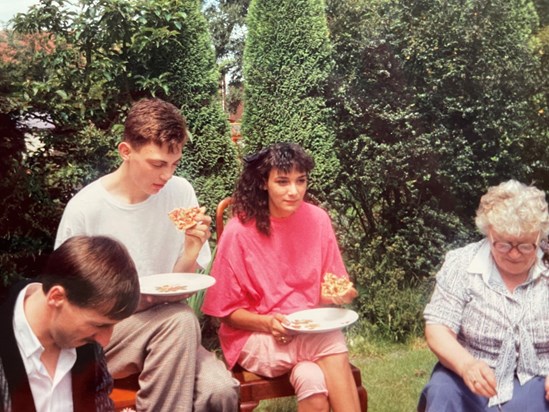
316, 403
223, 396
307, 379
174, 321
447, 392
182, 317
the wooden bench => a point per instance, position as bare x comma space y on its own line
253, 389
124, 392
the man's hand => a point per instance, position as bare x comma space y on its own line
148, 301
196, 236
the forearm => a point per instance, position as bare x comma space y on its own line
186, 263
244, 319
444, 344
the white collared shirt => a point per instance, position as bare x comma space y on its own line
50, 395
507, 330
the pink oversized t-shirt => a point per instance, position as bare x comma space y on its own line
280, 273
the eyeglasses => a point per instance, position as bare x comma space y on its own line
506, 247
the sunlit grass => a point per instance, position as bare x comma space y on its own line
394, 380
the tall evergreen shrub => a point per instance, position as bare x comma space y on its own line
287, 61
210, 159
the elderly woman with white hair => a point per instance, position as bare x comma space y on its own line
488, 318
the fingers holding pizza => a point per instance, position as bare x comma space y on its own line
337, 290
193, 221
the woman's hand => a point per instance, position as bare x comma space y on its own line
476, 374
547, 387
480, 378
270, 324
279, 332
344, 299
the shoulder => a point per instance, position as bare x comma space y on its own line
466, 253
92, 191
178, 183
457, 261
235, 227
314, 212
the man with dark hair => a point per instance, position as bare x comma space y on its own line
162, 341
51, 355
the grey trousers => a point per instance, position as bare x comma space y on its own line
176, 373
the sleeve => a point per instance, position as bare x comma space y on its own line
332, 259
72, 224
449, 297
104, 383
227, 294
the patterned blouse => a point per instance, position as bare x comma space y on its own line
507, 330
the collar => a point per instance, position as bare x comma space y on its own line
28, 343
483, 262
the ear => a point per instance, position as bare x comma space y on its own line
125, 150
56, 296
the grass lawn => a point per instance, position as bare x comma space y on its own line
393, 375
394, 379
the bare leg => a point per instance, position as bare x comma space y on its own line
314, 403
342, 391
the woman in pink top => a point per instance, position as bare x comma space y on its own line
270, 262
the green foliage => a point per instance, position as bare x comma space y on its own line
286, 67
235, 97
210, 159
78, 69
434, 101
226, 20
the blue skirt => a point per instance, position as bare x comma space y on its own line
446, 392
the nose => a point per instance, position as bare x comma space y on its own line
514, 253
292, 189
104, 335
167, 174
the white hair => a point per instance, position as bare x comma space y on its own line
513, 208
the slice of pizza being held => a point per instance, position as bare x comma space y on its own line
333, 285
183, 217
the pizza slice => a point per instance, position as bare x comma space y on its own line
183, 217
333, 285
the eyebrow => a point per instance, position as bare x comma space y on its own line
163, 161
287, 176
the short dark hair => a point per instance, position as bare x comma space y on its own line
251, 200
155, 121
97, 273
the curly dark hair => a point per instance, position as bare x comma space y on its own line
251, 199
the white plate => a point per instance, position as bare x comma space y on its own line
176, 283
321, 320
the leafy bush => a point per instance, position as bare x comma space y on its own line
434, 101
78, 71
